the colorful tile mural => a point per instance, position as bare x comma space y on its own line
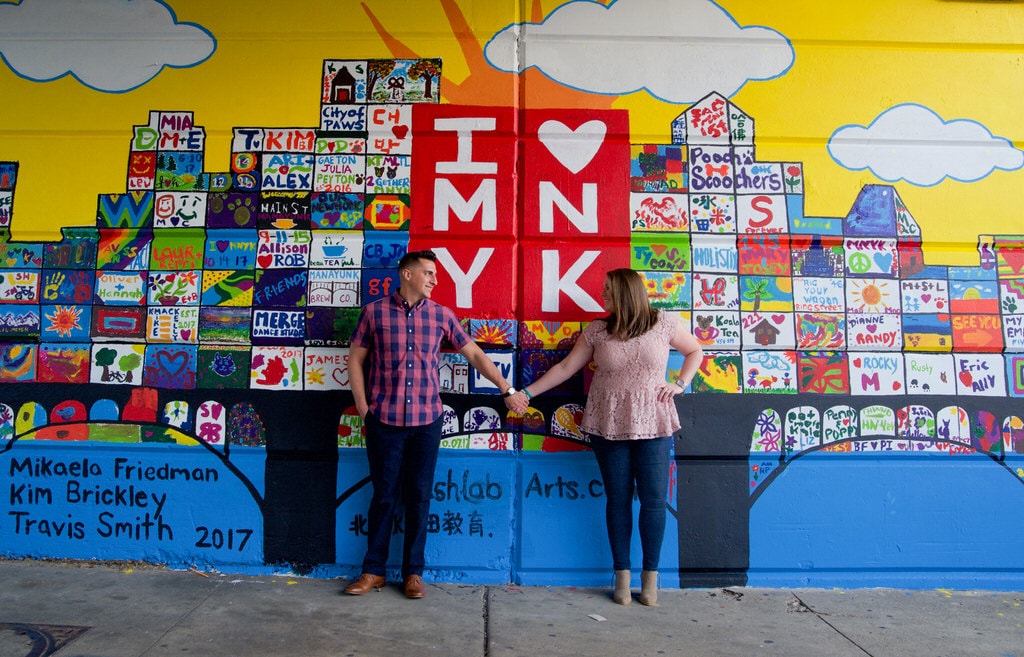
249, 281
281, 251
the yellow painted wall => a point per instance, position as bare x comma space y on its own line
853, 60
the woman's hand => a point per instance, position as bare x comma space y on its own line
669, 390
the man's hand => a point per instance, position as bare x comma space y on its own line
517, 403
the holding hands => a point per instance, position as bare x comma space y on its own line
517, 402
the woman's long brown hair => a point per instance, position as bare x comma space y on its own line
632, 314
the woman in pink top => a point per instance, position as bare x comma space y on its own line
630, 415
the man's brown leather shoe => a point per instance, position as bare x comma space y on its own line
365, 582
414, 588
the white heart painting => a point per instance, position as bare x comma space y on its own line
574, 149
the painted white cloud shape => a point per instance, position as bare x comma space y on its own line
108, 45
911, 142
678, 51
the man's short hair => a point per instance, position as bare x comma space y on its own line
412, 258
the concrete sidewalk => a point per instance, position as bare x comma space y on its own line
92, 610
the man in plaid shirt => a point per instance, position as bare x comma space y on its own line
398, 397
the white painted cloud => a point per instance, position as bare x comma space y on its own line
109, 45
912, 143
678, 50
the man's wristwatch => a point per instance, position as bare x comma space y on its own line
509, 392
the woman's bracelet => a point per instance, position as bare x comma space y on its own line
682, 384
527, 393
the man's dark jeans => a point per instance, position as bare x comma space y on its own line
402, 462
645, 462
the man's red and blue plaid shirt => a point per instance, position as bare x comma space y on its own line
403, 384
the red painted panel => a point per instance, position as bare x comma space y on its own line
463, 171
474, 279
576, 174
562, 281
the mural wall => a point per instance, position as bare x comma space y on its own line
174, 363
